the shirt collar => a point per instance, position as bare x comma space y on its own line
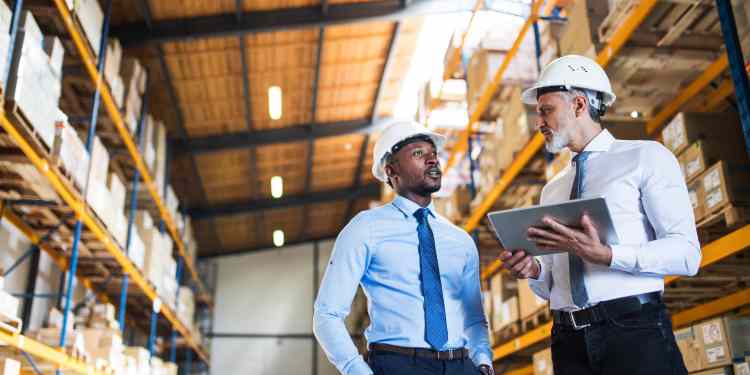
409, 207
601, 143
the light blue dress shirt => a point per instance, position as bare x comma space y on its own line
378, 249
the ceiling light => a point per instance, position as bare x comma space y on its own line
278, 238
274, 102
635, 114
277, 186
348, 146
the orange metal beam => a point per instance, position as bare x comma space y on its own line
114, 113
700, 83
715, 99
48, 354
528, 339
83, 214
489, 92
528, 370
711, 309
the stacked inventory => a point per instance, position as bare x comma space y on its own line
716, 346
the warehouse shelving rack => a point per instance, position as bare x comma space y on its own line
84, 217
714, 252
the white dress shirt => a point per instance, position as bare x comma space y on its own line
648, 199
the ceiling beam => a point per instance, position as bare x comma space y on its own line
295, 133
223, 25
256, 205
374, 115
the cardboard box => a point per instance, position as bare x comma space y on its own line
703, 153
577, 36
142, 358
506, 314
99, 161
70, 152
170, 368
133, 74
8, 304
723, 339
690, 347
91, 18
528, 302
697, 198
137, 250
543, 362
54, 49
502, 287
117, 191
157, 366
172, 202
725, 183
103, 311
741, 368
160, 145
113, 62
9, 366
104, 344
34, 85
686, 128
716, 371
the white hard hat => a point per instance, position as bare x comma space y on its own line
394, 134
572, 71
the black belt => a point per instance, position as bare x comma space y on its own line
447, 355
612, 308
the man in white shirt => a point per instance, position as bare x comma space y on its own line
606, 298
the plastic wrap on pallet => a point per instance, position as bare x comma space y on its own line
70, 152
137, 250
91, 18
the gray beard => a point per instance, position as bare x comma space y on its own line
558, 143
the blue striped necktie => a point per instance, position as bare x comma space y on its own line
436, 327
575, 263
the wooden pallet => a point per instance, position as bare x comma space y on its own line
507, 332
539, 317
10, 324
721, 222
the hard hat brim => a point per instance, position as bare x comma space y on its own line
378, 169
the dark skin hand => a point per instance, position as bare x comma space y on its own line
415, 172
584, 243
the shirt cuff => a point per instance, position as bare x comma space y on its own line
540, 278
624, 258
483, 359
359, 367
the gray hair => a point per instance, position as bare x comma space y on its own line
593, 99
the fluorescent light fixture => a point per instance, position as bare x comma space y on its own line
348, 146
277, 186
278, 238
274, 102
635, 114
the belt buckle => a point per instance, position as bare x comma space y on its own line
575, 324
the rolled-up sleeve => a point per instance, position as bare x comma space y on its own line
475, 326
345, 269
664, 196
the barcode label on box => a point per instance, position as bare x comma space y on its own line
693, 167
712, 333
715, 354
712, 180
714, 198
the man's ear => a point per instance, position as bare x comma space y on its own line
390, 171
579, 105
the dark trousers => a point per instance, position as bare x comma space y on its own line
388, 363
640, 343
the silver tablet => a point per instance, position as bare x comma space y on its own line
511, 226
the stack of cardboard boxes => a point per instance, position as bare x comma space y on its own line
186, 306
90, 17
503, 294
134, 82
8, 309
713, 159
715, 346
35, 87
512, 131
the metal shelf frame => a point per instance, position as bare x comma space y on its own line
83, 214
109, 104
